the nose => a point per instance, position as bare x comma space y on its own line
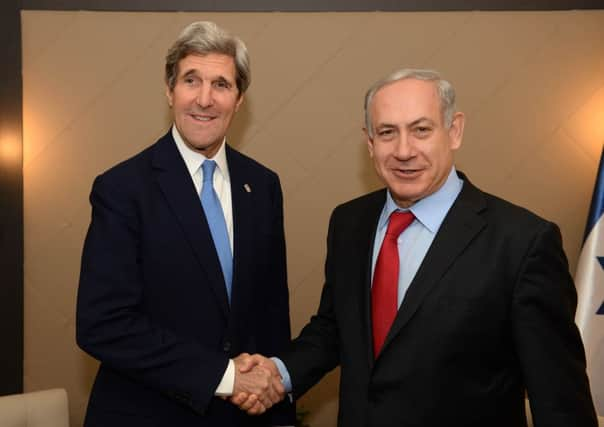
404, 149
205, 96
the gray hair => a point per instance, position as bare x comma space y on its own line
445, 90
203, 38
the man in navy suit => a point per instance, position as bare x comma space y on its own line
183, 267
451, 318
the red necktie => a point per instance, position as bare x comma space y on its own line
384, 291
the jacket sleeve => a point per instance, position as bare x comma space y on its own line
547, 340
277, 313
110, 324
316, 350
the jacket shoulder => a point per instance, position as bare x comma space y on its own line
130, 174
362, 203
134, 164
494, 208
507, 212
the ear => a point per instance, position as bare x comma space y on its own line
239, 101
169, 95
369, 141
456, 130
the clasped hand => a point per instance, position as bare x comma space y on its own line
257, 384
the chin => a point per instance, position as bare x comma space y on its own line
202, 145
406, 197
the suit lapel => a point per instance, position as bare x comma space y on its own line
460, 226
178, 188
368, 220
241, 194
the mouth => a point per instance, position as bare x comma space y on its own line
202, 117
406, 173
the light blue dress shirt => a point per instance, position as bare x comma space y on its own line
413, 243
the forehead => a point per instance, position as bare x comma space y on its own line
209, 65
406, 100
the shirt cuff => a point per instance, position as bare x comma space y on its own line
225, 388
285, 378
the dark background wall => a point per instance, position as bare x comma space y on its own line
11, 202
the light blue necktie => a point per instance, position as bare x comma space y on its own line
215, 216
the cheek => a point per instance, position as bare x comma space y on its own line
177, 104
382, 157
441, 158
231, 107
381, 165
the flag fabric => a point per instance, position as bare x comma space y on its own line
590, 288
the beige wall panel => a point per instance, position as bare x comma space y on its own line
538, 97
531, 83
286, 56
587, 125
485, 52
84, 60
564, 201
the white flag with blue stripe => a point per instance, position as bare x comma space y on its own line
590, 288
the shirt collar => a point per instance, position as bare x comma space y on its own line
193, 159
430, 210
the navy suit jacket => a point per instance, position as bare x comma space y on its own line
489, 314
152, 304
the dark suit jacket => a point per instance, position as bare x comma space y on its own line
152, 304
489, 314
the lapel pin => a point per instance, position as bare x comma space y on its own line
247, 188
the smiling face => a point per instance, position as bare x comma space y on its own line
204, 100
411, 148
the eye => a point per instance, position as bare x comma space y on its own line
422, 131
222, 84
386, 133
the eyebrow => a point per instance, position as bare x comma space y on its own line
385, 125
219, 78
408, 125
419, 121
222, 79
189, 72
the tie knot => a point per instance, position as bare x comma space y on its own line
208, 167
398, 222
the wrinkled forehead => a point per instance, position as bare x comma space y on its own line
218, 64
406, 101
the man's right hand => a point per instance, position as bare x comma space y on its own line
257, 384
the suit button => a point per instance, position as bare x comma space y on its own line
226, 346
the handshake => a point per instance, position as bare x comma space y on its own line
257, 385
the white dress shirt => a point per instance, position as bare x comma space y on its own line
222, 186
222, 179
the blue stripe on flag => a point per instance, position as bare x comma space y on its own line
597, 200
590, 292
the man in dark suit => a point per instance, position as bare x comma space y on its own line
183, 265
451, 321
